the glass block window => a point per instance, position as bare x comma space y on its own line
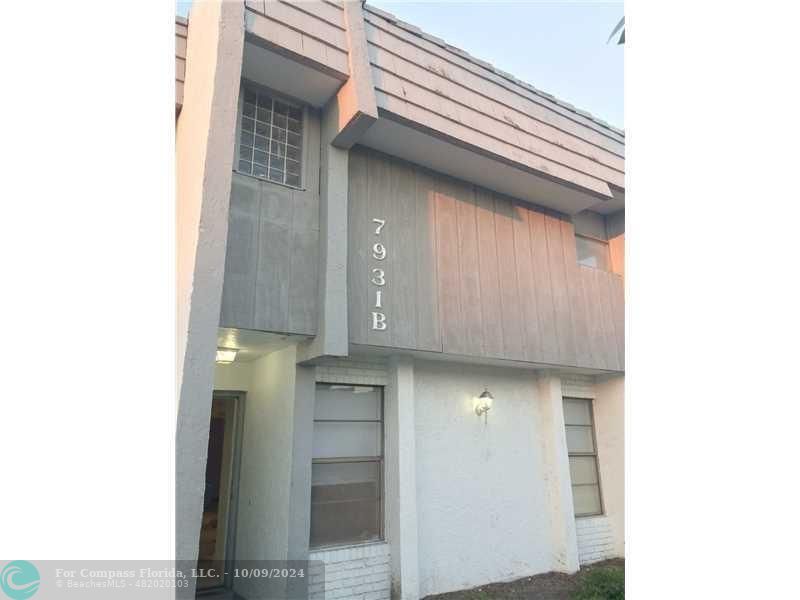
582, 449
347, 466
270, 138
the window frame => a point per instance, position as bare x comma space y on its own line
380, 460
593, 454
594, 239
260, 88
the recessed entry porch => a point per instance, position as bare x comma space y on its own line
327, 454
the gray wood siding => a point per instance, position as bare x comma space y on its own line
272, 258
312, 29
470, 272
438, 87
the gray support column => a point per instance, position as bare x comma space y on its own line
556, 473
332, 331
300, 492
345, 119
204, 142
401, 481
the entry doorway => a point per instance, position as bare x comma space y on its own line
219, 501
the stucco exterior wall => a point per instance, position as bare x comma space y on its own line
481, 505
266, 464
610, 423
234, 377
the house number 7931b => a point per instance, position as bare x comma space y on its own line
378, 279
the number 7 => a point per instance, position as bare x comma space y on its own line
381, 223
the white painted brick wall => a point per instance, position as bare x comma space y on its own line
577, 386
595, 540
356, 573
360, 372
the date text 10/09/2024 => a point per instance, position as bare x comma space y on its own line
378, 278
237, 573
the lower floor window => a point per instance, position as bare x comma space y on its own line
347, 468
582, 449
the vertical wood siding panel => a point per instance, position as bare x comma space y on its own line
470, 273
303, 289
303, 268
610, 318
238, 293
449, 288
489, 278
575, 291
378, 207
543, 287
555, 252
358, 273
606, 319
525, 281
274, 250
617, 285
509, 294
594, 318
428, 326
403, 250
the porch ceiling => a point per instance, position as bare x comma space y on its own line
253, 344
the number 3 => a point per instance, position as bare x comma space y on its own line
378, 277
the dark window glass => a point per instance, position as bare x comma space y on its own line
347, 469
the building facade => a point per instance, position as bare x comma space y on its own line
400, 309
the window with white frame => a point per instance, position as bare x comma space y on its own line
582, 449
592, 252
270, 138
347, 466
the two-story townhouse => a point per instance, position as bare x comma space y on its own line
400, 308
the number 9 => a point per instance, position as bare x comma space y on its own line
378, 251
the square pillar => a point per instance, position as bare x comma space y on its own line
401, 482
557, 480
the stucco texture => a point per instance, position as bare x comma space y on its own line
482, 507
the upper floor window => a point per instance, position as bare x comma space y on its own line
592, 252
347, 466
582, 449
270, 138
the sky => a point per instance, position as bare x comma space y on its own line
558, 47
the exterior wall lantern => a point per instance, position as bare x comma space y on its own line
226, 356
483, 404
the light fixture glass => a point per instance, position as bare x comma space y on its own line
483, 404
226, 356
